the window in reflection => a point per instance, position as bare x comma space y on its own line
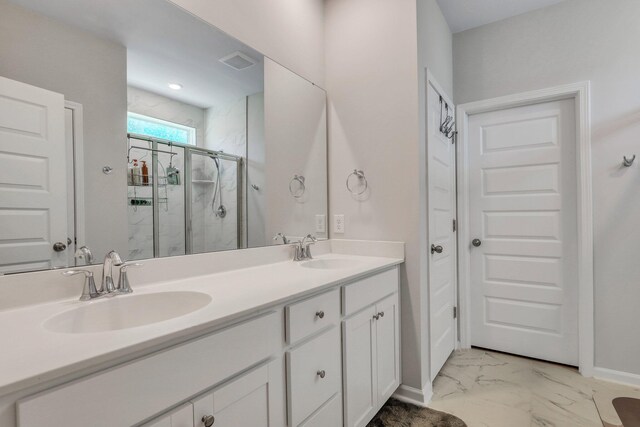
161, 129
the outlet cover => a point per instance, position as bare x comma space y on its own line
338, 224
321, 224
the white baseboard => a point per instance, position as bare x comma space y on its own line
414, 395
617, 376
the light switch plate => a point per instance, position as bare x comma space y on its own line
321, 224
338, 224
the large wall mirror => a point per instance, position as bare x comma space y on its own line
135, 126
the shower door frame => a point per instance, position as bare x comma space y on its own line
188, 151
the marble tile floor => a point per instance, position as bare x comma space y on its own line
490, 389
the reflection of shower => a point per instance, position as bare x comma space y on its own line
220, 211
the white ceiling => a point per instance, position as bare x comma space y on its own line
466, 14
164, 44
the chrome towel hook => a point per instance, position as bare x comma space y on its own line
628, 162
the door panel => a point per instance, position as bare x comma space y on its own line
523, 209
359, 368
388, 348
441, 213
33, 199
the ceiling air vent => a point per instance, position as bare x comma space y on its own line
238, 61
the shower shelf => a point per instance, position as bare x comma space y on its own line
162, 182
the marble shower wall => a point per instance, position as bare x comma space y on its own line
160, 107
225, 130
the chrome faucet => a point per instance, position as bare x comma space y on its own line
108, 286
284, 238
303, 248
84, 253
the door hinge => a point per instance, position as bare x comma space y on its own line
455, 225
455, 312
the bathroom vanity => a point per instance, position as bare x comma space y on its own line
312, 343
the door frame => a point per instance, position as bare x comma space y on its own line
78, 172
580, 93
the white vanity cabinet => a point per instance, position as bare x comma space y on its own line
327, 360
243, 401
371, 348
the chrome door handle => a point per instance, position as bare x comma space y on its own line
436, 249
208, 420
476, 242
59, 246
320, 314
321, 374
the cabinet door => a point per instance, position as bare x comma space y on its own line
181, 417
359, 368
387, 348
243, 402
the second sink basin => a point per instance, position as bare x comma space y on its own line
330, 264
124, 312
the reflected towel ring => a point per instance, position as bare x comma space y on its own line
301, 187
360, 175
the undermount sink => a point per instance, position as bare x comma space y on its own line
330, 264
124, 312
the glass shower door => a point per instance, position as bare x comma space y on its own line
214, 204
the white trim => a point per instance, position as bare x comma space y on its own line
414, 395
625, 378
78, 165
581, 93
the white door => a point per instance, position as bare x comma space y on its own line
243, 402
441, 172
33, 197
524, 290
387, 348
359, 368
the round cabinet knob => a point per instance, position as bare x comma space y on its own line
436, 249
376, 316
208, 420
320, 314
476, 242
381, 314
59, 246
321, 374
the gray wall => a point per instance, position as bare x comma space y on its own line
577, 40
372, 88
92, 72
288, 31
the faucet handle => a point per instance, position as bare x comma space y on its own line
89, 290
123, 281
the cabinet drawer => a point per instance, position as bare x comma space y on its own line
367, 291
330, 415
148, 386
307, 390
310, 316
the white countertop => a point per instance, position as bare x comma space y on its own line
31, 355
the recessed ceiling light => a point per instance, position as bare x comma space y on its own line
175, 86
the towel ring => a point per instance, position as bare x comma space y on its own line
360, 175
299, 179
